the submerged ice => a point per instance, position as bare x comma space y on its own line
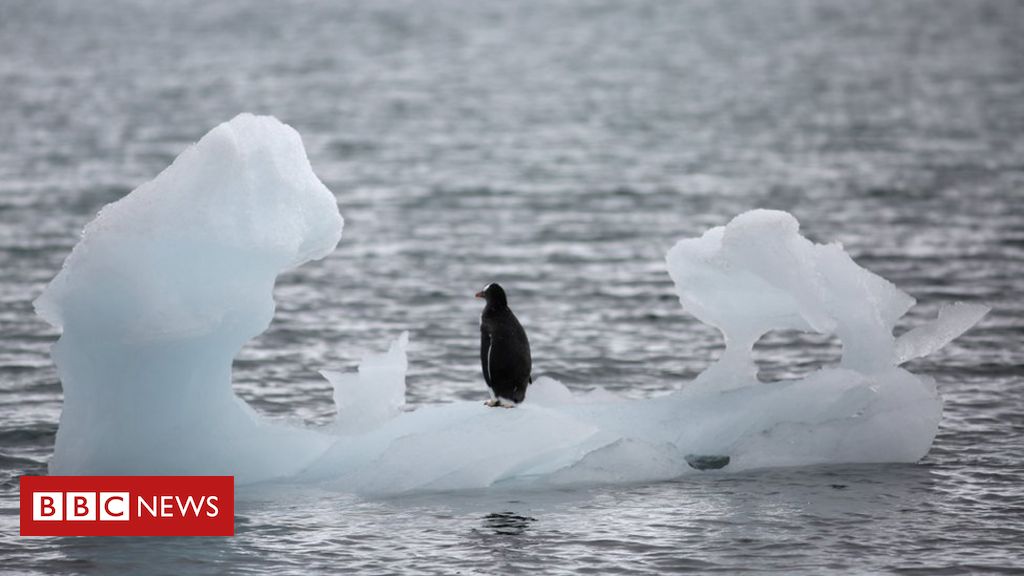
168, 284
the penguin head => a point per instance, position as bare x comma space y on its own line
494, 294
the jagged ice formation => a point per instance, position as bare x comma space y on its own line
168, 283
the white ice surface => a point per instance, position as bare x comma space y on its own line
164, 288
952, 321
374, 394
168, 283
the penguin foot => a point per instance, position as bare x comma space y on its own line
493, 403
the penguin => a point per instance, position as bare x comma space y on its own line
504, 349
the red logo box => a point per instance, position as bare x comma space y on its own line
127, 506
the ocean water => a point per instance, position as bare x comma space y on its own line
560, 148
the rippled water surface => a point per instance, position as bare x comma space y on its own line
561, 148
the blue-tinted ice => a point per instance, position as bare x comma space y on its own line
168, 283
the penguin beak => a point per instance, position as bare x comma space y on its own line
479, 294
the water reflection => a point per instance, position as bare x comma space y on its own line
508, 523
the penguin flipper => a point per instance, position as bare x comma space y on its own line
485, 353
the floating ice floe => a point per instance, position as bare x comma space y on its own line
168, 283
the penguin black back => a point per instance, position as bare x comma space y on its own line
504, 347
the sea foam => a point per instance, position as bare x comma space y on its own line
168, 283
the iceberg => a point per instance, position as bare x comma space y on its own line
164, 288
168, 283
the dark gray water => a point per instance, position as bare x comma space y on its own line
561, 148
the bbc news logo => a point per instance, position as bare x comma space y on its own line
127, 506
